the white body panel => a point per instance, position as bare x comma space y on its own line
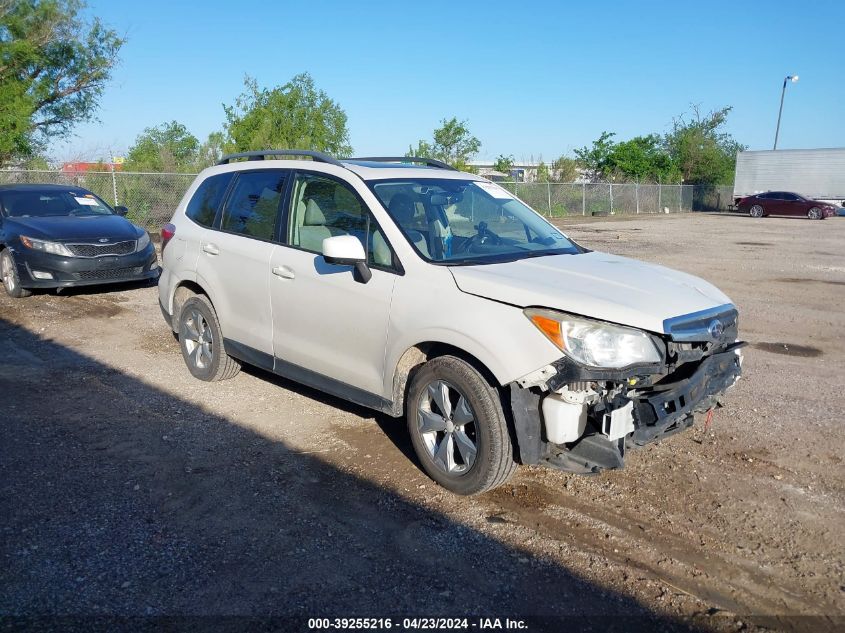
597, 285
327, 322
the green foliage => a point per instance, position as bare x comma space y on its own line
504, 163
642, 158
54, 66
702, 151
211, 151
293, 116
596, 159
543, 173
452, 143
169, 147
565, 169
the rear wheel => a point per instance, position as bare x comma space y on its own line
815, 213
11, 279
458, 428
756, 211
201, 340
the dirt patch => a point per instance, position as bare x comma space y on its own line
789, 349
799, 280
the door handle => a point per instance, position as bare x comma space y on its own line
284, 272
211, 249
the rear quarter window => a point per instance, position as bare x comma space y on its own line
203, 206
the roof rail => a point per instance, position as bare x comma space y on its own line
320, 157
428, 162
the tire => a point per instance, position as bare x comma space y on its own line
11, 279
756, 211
815, 214
201, 341
467, 449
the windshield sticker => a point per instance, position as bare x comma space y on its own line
494, 190
88, 202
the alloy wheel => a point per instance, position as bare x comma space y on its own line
814, 214
199, 341
8, 273
756, 211
446, 424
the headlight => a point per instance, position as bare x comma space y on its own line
594, 343
55, 248
143, 241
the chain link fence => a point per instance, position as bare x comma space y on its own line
152, 197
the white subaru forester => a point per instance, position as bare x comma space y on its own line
420, 291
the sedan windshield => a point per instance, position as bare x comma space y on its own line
468, 221
46, 203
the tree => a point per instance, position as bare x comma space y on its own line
453, 144
703, 152
211, 151
169, 147
503, 164
596, 159
566, 169
642, 158
54, 66
543, 173
293, 116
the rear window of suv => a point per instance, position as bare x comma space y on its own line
203, 206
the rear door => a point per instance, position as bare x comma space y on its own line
793, 205
234, 259
325, 321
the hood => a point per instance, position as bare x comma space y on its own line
597, 285
67, 228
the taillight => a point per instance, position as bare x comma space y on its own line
167, 233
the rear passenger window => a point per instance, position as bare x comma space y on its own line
207, 198
253, 205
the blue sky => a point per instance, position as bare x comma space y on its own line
536, 79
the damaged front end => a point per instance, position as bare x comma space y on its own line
583, 419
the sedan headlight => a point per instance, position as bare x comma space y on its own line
54, 248
595, 343
143, 241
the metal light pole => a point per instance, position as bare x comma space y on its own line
788, 78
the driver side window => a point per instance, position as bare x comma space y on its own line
322, 207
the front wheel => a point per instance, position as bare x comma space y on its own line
201, 340
815, 213
11, 279
458, 428
756, 211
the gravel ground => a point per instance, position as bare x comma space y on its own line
132, 494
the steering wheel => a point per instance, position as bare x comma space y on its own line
484, 236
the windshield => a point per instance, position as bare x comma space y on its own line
468, 221
25, 204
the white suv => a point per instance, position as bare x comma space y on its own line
420, 291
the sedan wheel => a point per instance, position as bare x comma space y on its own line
815, 213
756, 211
9, 273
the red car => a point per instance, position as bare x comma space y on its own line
784, 203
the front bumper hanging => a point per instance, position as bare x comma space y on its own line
662, 408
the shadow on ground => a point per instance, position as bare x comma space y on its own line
124, 507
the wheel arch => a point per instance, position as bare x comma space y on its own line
182, 291
417, 355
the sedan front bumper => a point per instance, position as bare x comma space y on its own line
84, 271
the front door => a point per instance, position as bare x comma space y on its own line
325, 321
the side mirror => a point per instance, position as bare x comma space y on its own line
121, 211
346, 250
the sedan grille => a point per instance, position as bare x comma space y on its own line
99, 250
110, 273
